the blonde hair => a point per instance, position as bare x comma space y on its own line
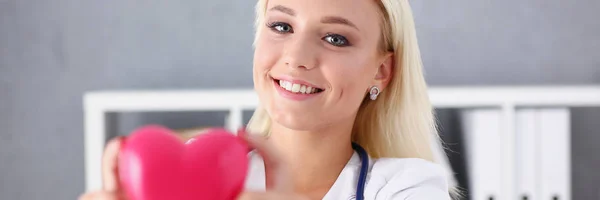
400, 123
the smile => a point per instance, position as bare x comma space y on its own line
296, 89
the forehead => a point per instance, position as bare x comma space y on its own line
363, 13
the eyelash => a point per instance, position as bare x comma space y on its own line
276, 27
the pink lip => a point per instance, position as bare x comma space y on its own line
296, 81
293, 96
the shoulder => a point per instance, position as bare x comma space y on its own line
406, 178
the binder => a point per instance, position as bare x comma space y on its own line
527, 154
555, 153
482, 129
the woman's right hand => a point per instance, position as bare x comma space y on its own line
279, 183
111, 189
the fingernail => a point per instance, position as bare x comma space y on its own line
121, 139
242, 132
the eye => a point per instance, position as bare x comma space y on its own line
280, 27
337, 40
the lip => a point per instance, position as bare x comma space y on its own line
296, 81
293, 96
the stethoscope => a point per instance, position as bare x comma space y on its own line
362, 176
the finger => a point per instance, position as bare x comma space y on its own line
242, 133
278, 172
110, 165
270, 196
263, 146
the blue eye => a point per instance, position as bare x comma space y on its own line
280, 27
337, 40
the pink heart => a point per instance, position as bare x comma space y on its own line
155, 165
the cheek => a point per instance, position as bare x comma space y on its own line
350, 75
266, 56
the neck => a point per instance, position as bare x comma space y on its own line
316, 158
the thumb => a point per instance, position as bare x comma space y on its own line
110, 172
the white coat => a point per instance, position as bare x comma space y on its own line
387, 179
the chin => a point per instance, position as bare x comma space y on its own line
293, 120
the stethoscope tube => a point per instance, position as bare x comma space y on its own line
362, 176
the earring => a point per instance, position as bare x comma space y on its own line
374, 92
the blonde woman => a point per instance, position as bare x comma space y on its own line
344, 108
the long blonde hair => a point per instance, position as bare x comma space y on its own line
400, 123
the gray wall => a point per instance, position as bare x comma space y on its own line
53, 51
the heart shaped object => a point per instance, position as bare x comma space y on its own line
154, 164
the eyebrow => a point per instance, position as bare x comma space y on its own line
284, 9
325, 20
337, 20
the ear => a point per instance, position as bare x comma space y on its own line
385, 71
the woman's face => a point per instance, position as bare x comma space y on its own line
315, 60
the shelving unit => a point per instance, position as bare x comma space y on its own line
507, 100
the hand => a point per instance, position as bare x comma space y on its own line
111, 190
279, 184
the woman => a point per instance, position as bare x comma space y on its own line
334, 78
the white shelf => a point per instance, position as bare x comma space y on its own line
97, 103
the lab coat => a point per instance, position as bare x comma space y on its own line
387, 179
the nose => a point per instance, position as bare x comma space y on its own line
300, 53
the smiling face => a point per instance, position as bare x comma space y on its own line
315, 60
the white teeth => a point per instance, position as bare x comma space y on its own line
288, 86
296, 88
